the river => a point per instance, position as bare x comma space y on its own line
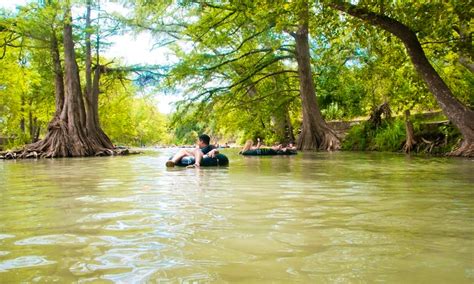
311, 218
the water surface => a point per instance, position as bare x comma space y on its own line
314, 217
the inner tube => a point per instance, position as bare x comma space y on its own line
218, 160
268, 152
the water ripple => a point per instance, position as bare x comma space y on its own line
310, 218
23, 262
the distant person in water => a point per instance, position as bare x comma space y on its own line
249, 146
203, 150
291, 146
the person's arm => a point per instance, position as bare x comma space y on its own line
259, 143
213, 153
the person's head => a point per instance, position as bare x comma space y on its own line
248, 144
204, 140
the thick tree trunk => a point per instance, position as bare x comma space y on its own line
457, 113
73, 114
94, 131
58, 75
315, 133
96, 134
67, 135
88, 61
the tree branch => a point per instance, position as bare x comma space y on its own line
253, 73
237, 58
216, 24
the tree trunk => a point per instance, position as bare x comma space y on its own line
96, 134
88, 62
67, 135
410, 133
94, 131
31, 127
73, 114
315, 133
375, 119
37, 130
289, 129
58, 75
457, 113
22, 114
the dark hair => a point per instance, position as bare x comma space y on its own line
205, 138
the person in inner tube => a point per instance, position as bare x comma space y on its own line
249, 146
203, 150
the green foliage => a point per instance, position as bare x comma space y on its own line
389, 136
237, 69
333, 112
451, 138
26, 89
357, 139
131, 119
189, 125
27, 95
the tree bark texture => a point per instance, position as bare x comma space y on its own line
58, 74
315, 133
410, 133
94, 131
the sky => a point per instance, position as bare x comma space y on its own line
128, 48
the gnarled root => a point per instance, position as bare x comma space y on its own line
330, 142
324, 139
465, 150
59, 143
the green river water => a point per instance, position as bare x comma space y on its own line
311, 218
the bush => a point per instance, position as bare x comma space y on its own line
357, 138
389, 136
333, 111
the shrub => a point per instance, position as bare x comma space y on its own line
389, 136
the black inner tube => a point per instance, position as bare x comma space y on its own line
218, 160
268, 152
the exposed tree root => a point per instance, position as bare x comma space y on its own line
325, 140
58, 143
29, 153
465, 150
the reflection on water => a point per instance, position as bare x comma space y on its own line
314, 217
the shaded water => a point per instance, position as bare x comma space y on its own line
314, 217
